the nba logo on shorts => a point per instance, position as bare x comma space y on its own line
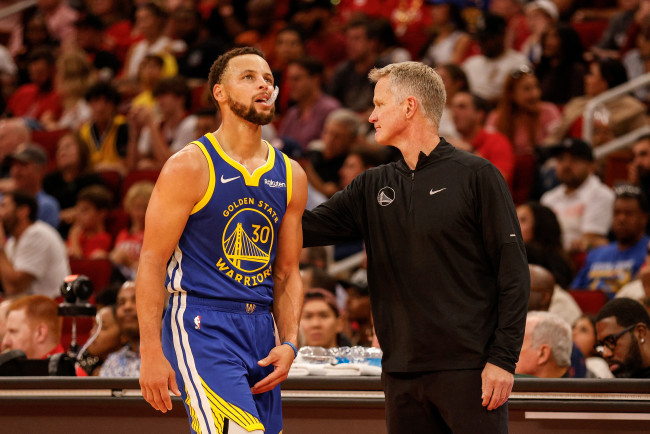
197, 322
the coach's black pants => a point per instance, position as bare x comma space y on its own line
440, 402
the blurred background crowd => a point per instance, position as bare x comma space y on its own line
95, 96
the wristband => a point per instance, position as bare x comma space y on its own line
293, 347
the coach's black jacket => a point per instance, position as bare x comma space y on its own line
447, 269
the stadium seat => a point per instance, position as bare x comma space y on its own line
113, 181
137, 176
589, 301
97, 270
117, 220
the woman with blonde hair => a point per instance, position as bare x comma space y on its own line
74, 75
126, 253
526, 121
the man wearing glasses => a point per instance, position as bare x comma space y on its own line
623, 338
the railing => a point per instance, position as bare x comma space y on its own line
16, 7
592, 106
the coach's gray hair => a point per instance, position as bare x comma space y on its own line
418, 80
554, 331
347, 118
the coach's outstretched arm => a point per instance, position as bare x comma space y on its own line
182, 183
287, 284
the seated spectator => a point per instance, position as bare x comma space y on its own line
609, 267
542, 236
614, 39
128, 242
349, 83
517, 30
581, 202
584, 337
547, 296
154, 138
13, 133
636, 63
359, 317
358, 161
97, 49
561, 69
126, 361
150, 73
262, 28
150, 21
623, 114
207, 121
107, 341
320, 322
116, 33
546, 350
106, 134
34, 259
323, 38
639, 288
639, 167
469, 112
60, 19
28, 165
388, 46
73, 173
304, 121
202, 49
487, 72
449, 41
88, 238
31, 101
340, 134
74, 75
33, 327
526, 121
542, 285
540, 16
455, 80
623, 338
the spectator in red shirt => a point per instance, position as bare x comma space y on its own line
33, 327
38, 97
469, 112
88, 238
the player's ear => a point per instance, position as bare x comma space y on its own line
218, 92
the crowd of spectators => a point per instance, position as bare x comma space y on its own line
96, 95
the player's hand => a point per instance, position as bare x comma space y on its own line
156, 379
281, 357
496, 386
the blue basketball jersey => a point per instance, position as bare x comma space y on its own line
228, 246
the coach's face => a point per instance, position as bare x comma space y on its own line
389, 116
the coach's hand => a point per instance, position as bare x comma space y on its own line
281, 357
156, 379
496, 386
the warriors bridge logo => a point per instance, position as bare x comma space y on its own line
247, 240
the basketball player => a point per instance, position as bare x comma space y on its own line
223, 237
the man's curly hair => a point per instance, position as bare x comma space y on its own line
219, 66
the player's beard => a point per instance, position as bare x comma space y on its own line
250, 114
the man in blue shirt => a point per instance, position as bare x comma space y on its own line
610, 267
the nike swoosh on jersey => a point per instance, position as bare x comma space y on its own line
226, 180
431, 192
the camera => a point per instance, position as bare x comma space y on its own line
76, 290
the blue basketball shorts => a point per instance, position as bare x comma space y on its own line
214, 346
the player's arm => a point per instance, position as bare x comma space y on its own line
287, 292
182, 182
